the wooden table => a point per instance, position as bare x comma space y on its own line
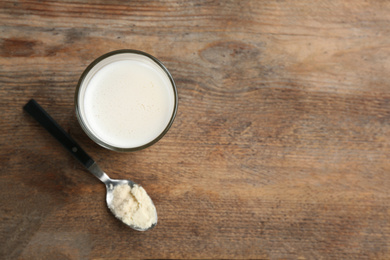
280, 149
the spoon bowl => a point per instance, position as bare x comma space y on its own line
110, 186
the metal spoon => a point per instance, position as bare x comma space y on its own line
37, 112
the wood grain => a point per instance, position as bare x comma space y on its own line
280, 149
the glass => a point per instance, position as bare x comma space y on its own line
92, 70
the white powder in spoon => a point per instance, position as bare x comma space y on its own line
133, 206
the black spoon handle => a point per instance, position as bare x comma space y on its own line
37, 112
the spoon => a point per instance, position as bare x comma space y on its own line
37, 112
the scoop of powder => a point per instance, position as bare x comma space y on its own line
133, 206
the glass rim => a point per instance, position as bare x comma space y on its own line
82, 120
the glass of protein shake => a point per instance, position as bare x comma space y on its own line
126, 100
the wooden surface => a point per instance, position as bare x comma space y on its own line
280, 149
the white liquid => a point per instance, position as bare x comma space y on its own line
128, 101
